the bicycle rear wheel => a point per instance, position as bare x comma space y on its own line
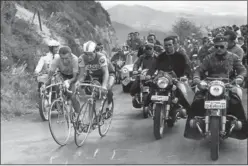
105, 118
60, 137
83, 124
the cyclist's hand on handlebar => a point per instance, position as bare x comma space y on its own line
67, 83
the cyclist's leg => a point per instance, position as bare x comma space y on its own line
72, 97
111, 83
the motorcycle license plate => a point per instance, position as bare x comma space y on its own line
159, 98
215, 104
145, 89
126, 81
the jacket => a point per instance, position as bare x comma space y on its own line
176, 62
145, 61
221, 67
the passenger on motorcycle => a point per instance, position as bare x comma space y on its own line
67, 64
99, 68
180, 49
42, 68
175, 62
119, 57
204, 50
145, 62
158, 48
219, 64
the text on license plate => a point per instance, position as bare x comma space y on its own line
125, 81
159, 98
215, 104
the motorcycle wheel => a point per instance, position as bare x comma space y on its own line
145, 112
158, 122
214, 137
145, 109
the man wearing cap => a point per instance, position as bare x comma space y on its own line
221, 63
145, 62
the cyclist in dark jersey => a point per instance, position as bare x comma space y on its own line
98, 66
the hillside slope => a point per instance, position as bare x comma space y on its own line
23, 43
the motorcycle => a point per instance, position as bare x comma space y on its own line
144, 92
166, 109
216, 124
118, 65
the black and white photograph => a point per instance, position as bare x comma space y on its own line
124, 82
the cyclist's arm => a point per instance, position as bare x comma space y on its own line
81, 65
74, 70
39, 66
104, 66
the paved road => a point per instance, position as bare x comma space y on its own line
129, 141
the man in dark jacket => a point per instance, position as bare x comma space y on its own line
172, 61
221, 63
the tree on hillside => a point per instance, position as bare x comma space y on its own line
185, 28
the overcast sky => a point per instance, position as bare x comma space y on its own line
214, 7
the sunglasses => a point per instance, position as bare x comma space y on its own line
219, 46
149, 48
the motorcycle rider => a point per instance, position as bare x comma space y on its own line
219, 64
175, 62
45, 62
143, 61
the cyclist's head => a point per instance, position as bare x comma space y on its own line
90, 50
65, 55
53, 46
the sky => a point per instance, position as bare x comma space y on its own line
214, 7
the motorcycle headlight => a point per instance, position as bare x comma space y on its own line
216, 90
125, 70
162, 82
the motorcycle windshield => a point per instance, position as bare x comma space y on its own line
186, 91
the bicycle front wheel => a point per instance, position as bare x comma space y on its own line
83, 124
105, 117
59, 123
